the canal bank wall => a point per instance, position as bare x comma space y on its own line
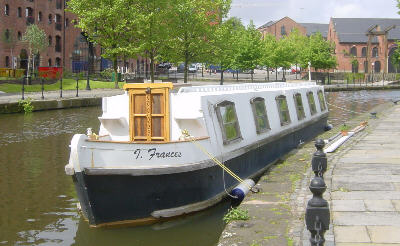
277, 211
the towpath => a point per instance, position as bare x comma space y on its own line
363, 182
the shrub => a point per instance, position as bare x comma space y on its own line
236, 214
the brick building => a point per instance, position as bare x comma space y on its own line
350, 39
66, 46
349, 36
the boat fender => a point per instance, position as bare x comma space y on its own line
328, 127
239, 192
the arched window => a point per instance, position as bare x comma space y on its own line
260, 114
311, 102
298, 101
58, 43
58, 62
283, 30
50, 18
364, 52
228, 121
6, 10
7, 61
39, 16
353, 51
375, 52
283, 110
377, 67
19, 36
19, 12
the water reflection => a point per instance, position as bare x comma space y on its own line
38, 201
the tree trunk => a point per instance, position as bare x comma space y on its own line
222, 77
152, 66
252, 72
115, 63
268, 73
237, 75
276, 73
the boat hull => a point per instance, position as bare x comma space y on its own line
109, 199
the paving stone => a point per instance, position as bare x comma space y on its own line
365, 195
367, 178
366, 244
348, 205
357, 186
366, 218
379, 205
353, 234
384, 234
396, 204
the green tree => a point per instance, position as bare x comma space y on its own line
191, 24
250, 49
319, 52
36, 39
395, 57
110, 24
225, 44
10, 41
269, 55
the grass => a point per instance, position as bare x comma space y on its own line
68, 84
236, 214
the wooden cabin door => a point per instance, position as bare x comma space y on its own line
149, 119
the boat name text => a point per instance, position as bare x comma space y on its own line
151, 153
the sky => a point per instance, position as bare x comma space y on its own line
311, 11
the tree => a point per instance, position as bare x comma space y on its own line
319, 52
191, 24
395, 57
250, 49
36, 39
111, 24
10, 41
269, 58
226, 43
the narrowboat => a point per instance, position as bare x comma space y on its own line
155, 154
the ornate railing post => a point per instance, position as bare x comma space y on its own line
317, 212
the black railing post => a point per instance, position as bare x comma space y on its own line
42, 82
23, 87
77, 86
317, 212
61, 88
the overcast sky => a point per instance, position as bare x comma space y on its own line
311, 11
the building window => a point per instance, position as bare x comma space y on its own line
7, 35
58, 62
354, 67
50, 18
298, 101
311, 102
228, 121
66, 22
321, 99
353, 51
377, 67
283, 30
49, 62
7, 10
50, 38
7, 61
364, 52
39, 18
283, 109
375, 52
365, 67
19, 12
58, 43
58, 22
19, 36
260, 114
58, 4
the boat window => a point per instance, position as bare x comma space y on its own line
311, 102
299, 106
283, 109
228, 121
321, 99
260, 114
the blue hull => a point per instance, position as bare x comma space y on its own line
107, 199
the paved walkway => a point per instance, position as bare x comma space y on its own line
364, 187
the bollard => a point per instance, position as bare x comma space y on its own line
77, 86
61, 88
42, 82
317, 212
319, 161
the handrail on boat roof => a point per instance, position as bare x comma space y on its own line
247, 86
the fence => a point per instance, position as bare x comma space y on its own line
351, 78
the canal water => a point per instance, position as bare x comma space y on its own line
38, 201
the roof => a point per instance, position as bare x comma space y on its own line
269, 23
353, 30
316, 27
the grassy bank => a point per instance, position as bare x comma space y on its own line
68, 84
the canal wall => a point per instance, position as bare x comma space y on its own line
277, 211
